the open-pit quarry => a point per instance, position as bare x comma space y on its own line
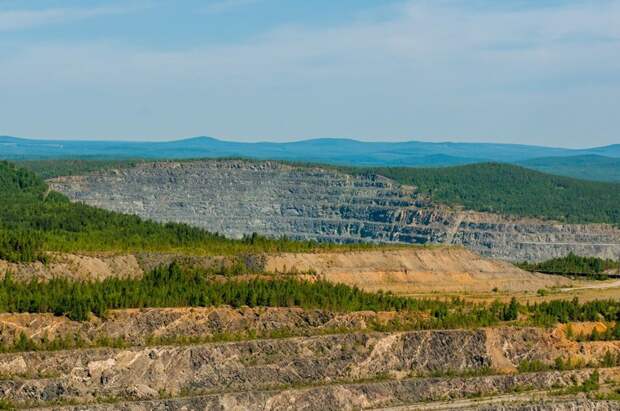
289, 358
401, 304
236, 197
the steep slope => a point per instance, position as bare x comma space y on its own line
430, 269
239, 197
335, 372
406, 270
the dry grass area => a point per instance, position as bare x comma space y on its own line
78, 267
578, 290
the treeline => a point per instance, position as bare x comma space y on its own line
492, 187
14, 180
173, 286
573, 264
33, 219
514, 190
18, 246
565, 311
67, 167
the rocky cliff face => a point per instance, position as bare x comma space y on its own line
327, 372
240, 197
334, 362
390, 395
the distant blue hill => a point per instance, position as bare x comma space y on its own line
332, 151
590, 167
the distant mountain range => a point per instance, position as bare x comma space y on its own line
598, 163
590, 167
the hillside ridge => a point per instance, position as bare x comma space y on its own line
375, 152
237, 197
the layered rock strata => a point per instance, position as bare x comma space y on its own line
236, 197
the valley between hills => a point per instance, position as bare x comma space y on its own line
245, 285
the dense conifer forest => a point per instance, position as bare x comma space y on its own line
513, 190
574, 264
174, 286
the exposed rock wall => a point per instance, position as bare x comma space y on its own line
341, 371
372, 395
502, 348
145, 372
377, 396
240, 197
136, 326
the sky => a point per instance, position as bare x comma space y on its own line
543, 72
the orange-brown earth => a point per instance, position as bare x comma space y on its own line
405, 270
416, 269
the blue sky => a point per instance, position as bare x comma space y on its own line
521, 71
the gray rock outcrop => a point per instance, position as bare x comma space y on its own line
235, 197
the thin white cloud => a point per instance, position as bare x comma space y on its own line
13, 20
433, 70
223, 6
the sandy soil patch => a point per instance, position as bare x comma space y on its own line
416, 269
79, 267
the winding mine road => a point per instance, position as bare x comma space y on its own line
605, 285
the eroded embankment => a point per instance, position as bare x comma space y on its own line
406, 270
380, 395
351, 367
321, 396
75, 267
146, 372
138, 326
505, 346
418, 269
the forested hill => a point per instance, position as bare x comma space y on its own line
33, 220
508, 189
492, 187
589, 167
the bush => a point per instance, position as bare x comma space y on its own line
574, 264
532, 366
21, 246
564, 311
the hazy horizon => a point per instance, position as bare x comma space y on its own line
227, 140
536, 72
